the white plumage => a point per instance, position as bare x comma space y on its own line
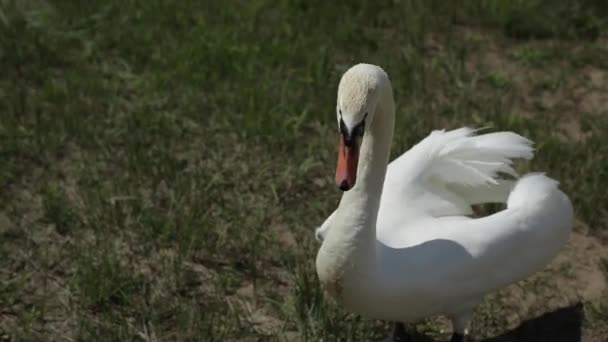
401, 246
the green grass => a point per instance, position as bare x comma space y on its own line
164, 164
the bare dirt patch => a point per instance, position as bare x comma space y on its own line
541, 83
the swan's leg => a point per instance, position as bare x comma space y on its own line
456, 337
459, 324
399, 334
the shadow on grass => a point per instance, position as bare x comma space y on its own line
562, 325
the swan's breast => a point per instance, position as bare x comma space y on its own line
333, 288
331, 276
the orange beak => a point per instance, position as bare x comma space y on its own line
346, 171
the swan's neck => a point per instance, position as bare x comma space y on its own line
348, 252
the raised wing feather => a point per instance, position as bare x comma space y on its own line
448, 171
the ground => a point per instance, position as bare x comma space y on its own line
165, 164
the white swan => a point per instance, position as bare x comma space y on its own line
403, 248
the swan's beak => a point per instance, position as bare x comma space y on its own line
348, 157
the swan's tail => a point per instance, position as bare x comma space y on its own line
543, 208
536, 190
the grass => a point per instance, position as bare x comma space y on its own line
164, 163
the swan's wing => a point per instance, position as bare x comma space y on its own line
448, 171
484, 253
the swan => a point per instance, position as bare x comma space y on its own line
401, 245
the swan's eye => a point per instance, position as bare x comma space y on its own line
343, 128
359, 129
355, 134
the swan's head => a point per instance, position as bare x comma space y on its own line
358, 97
